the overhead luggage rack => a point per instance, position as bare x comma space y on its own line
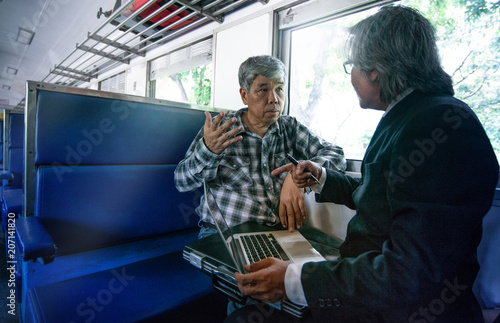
134, 28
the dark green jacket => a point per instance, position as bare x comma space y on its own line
428, 178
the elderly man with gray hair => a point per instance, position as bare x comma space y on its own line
236, 153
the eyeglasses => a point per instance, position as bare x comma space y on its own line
347, 67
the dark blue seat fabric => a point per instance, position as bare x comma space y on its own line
155, 289
104, 169
12, 203
16, 151
100, 131
16, 168
16, 130
96, 206
1, 146
12, 178
12, 197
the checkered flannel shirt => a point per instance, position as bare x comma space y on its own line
240, 177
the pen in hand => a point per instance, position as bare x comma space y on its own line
295, 162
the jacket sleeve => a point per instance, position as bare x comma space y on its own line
338, 189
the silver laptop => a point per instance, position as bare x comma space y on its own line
247, 248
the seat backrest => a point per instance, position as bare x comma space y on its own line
104, 167
15, 147
1, 143
16, 130
487, 284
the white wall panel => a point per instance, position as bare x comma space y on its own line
233, 46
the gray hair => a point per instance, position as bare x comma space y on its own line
400, 44
265, 65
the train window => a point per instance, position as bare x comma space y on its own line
469, 43
114, 83
184, 75
322, 97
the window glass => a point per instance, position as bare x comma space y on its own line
321, 95
469, 43
113, 84
191, 86
184, 75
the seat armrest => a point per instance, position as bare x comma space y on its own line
33, 239
6, 175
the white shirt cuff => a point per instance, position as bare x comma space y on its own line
293, 284
316, 187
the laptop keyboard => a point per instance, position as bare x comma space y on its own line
261, 246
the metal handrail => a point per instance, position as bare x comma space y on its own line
99, 53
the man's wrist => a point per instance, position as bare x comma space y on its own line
317, 188
293, 285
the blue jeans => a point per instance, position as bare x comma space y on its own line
205, 232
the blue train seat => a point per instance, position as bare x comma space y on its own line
15, 151
1, 145
102, 199
11, 196
12, 177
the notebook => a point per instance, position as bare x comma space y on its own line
289, 246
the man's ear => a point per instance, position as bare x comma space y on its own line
373, 76
244, 96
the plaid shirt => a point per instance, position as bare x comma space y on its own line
240, 177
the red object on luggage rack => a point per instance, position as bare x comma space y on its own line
155, 6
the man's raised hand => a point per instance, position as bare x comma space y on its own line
218, 137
